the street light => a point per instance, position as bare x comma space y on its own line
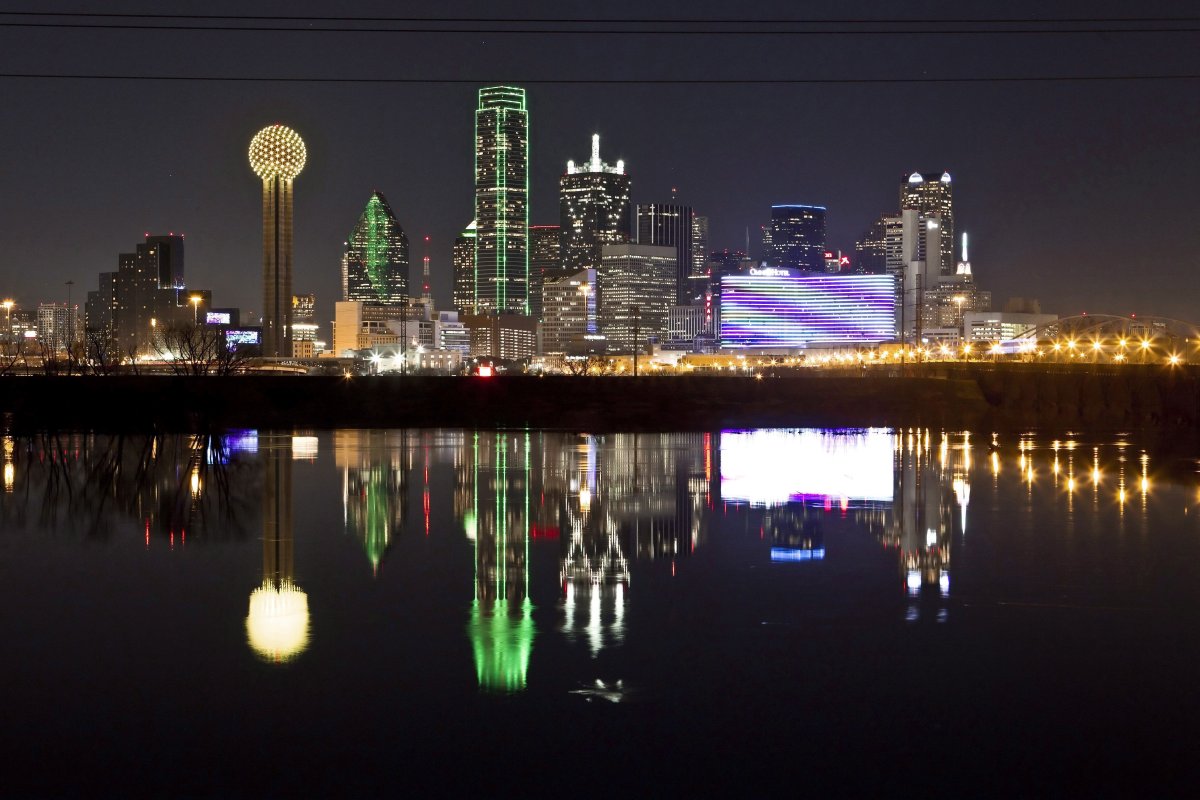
195, 301
8, 305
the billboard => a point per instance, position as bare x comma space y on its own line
235, 338
218, 318
771, 308
773, 467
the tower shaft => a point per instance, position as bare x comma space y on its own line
277, 267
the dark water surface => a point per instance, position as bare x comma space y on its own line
546, 613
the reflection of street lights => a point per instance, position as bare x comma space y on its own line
195, 301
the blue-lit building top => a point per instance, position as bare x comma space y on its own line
770, 308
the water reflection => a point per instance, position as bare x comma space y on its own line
501, 623
606, 512
169, 486
374, 486
277, 623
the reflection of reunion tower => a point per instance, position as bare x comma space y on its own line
277, 625
277, 155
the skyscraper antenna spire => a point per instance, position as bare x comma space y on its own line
964, 248
595, 152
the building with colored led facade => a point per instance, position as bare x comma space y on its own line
932, 194
636, 289
501, 277
375, 264
463, 262
544, 259
670, 226
779, 309
593, 209
796, 237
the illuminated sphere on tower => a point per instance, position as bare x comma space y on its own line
277, 151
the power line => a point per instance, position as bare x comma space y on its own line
614, 81
615, 20
561, 31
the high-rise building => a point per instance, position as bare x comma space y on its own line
304, 326
101, 310
879, 250
594, 209
543, 258
166, 253
569, 312
670, 226
375, 263
797, 237
933, 194
463, 258
58, 327
277, 155
501, 202
505, 336
699, 250
636, 289
145, 296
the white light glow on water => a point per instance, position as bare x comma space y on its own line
773, 467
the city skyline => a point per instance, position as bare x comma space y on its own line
1036, 188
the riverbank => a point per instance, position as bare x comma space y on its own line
1003, 396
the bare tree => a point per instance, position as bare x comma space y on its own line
200, 350
11, 354
101, 354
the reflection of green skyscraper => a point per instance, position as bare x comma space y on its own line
501, 625
375, 264
501, 201
374, 487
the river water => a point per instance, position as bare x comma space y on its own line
533, 612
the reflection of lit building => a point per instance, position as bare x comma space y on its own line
374, 486
501, 624
277, 623
932, 477
10, 472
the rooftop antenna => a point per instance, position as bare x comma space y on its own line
425, 273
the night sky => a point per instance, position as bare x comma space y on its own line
1081, 195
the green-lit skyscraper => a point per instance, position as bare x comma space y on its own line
375, 264
501, 201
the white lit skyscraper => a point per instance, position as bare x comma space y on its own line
933, 194
593, 209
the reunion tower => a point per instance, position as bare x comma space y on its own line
277, 155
